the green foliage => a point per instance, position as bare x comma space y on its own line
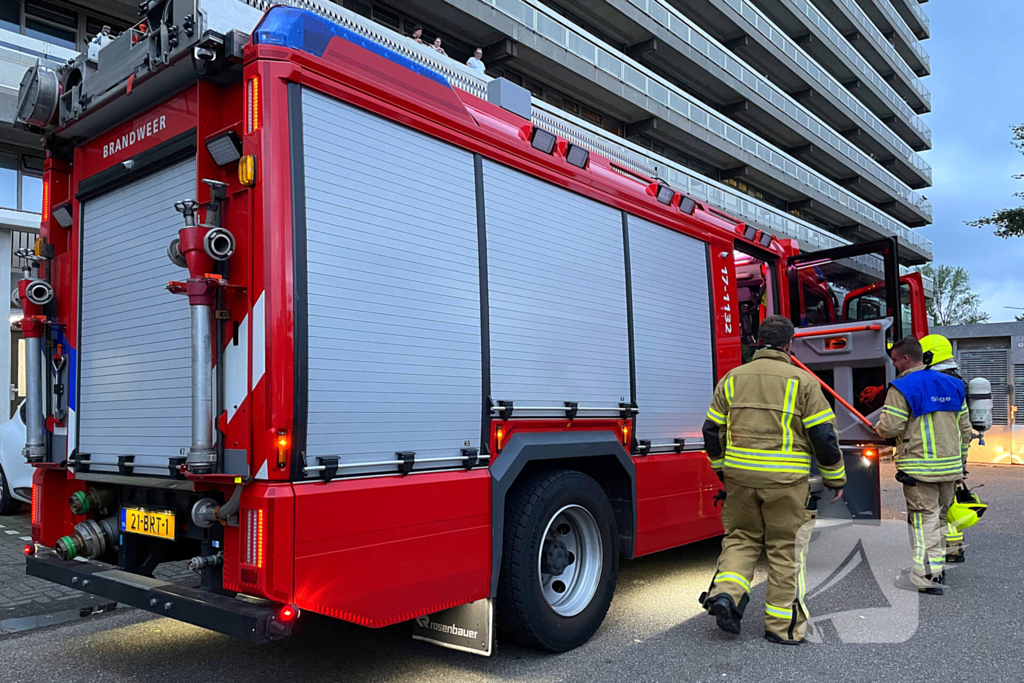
953, 301
1008, 222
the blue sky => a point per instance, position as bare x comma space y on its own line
977, 87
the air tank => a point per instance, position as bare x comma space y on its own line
979, 403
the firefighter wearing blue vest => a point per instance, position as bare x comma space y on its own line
938, 356
925, 412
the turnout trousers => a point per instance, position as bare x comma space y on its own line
775, 519
927, 505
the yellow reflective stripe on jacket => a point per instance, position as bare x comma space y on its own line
928, 436
946, 465
730, 389
734, 578
832, 475
778, 612
767, 461
716, 463
716, 416
818, 418
893, 410
787, 414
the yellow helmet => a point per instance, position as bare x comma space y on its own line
966, 510
936, 349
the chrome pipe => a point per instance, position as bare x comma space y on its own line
202, 456
35, 440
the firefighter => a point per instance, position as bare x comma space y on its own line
924, 411
938, 355
766, 419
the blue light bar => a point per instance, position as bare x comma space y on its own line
303, 30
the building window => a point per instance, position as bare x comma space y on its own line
54, 23
10, 15
21, 182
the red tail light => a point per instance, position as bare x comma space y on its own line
288, 613
30, 549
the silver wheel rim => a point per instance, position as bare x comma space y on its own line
569, 592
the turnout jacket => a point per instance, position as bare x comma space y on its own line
931, 447
766, 420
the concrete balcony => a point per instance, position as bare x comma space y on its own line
888, 19
752, 35
798, 18
673, 46
915, 16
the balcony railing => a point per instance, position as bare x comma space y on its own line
881, 42
536, 17
766, 27
696, 38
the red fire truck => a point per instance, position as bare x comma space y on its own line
351, 341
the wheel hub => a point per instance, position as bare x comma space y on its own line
555, 557
569, 560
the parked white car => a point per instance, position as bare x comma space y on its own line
15, 473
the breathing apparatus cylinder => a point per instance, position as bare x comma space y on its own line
979, 405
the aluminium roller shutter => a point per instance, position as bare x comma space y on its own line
134, 396
671, 331
557, 294
394, 292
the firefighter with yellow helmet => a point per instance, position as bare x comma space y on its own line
766, 420
926, 412
937, 354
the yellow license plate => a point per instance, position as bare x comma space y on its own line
148, 523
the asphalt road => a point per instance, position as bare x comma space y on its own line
655, 630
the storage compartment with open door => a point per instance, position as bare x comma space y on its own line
849, 307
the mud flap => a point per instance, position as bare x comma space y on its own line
468, 627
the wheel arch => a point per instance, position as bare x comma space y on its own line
598, 454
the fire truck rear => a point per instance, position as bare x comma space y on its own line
349, 340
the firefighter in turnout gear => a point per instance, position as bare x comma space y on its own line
925, 411
767, 420
938, 356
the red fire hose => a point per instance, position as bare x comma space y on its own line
832, 391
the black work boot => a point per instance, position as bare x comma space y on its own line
779, 640
903, 581
726, 615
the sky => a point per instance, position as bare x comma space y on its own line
977, 86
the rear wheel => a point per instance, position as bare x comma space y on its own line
8, 504
560, 561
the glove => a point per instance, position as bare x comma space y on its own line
870, 394
721, 475
719, 498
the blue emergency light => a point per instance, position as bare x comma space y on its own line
301, 29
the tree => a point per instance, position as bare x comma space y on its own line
1008, 222
953, 301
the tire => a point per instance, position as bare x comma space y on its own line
8, 504
571, 509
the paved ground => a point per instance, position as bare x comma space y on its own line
24, 596
654, 631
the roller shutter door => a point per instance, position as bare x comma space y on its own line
992, 365
671, 330
557, 294
134, 394
394, 292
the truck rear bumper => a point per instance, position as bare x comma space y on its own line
256, 623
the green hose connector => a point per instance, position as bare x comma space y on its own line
80, 503
66, 548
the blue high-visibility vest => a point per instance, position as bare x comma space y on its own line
930, 391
